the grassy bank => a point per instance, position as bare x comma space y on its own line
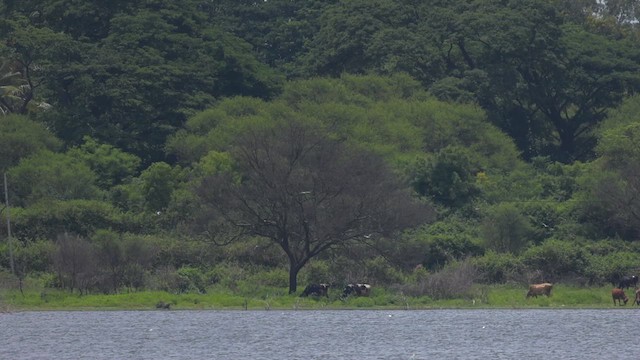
485, 297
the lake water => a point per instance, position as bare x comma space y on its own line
340, 334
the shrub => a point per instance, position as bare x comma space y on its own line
47, 219
611, 267
556, 258
505, 229
496, 267
316, 272
443, 249
454, 280
191, 279
379, 271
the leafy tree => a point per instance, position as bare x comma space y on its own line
136, 84
448, 179
80, 19
112, 165
34, 53
278, 30
539, 70
505, 230
55, 176
158, 187
158, 182
20, 138
610, 188
307, 193
357, 36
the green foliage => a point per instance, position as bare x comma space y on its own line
191, 279
442, 249
448, 178
52, 176
553, 258
152, 191
505, 229
111, 164
380, 271
494, 267
603, 269
20, 138
317, 272
213, 163
47, 219
158, 182
30, 257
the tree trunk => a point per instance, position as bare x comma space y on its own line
293, 278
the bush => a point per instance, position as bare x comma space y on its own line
47, 219
454, 280
444, 249
191, 279
611, 267
316, 272
496, 267
379, 271
554, 259
505, 229
28, 256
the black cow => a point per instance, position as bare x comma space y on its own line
356, 289
628, 281
316, 290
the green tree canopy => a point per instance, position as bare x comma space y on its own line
21, 137
48, 175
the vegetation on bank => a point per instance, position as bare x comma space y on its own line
482, 297
450, 291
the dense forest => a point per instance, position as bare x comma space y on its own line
421, 146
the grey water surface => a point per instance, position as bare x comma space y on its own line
339, 334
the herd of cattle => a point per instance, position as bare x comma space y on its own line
350, 289
617, 293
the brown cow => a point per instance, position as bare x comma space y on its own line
637, 302
539, 289
618, 295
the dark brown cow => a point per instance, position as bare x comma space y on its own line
637, 302
316, 290
539, 289
618, 295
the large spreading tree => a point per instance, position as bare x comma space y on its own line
307, 192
